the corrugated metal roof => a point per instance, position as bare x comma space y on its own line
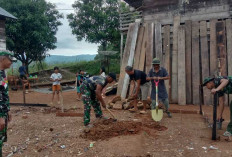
6, 14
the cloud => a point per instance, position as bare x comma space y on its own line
67, 43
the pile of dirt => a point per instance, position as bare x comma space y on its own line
108, 128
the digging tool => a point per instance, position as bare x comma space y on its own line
157, 114
111, 114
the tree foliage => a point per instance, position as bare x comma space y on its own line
96, 21
33, 33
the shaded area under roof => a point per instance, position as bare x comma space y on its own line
134, 3
4, 13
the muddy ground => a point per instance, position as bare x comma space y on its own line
37, 131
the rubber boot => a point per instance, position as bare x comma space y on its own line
219, 124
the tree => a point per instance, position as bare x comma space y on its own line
96, 21
33, 33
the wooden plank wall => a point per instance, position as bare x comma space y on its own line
190, 52
2, 35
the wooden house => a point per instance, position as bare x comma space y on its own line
3, 16
193, 39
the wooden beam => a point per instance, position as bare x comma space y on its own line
229, 48
196, 62
167, 59
131, 58
221, 47
213, 49
158, 43
144, 48
181, 66
149, 50
188, 61
138, 48
205, 61
174, 85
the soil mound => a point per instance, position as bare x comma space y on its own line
106, 129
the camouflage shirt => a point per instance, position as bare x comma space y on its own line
92, 82
228, 88
4, 97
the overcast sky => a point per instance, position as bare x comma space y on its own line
67, 43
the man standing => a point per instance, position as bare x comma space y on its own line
91, 90
221, 85
6, 59
161, 74
140, 82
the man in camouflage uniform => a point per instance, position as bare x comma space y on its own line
221, 85
91, 90
6, 59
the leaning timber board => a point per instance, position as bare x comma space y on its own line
138, 48
149, 50
205, 61
137, 54
181, 67
196, 61
188, 61
125, 59
174, 84
213, 48
220, 31
143, 49
166, 49
131, 58
229, 47
158, 42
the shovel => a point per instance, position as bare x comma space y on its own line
157, 114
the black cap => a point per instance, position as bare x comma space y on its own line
113, 76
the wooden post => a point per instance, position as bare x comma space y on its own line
213, 49
167, 59
214, 129
205, 61
158, 43
181, 67
188, 61
221, 47
196, 62
174, 85
229, 47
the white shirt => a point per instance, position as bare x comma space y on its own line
55, 76
103, 74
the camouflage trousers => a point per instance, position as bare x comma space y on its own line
89, 99
3, 133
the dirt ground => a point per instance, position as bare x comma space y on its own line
37, 131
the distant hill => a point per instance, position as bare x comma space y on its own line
59, 59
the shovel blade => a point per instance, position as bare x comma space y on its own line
157, 114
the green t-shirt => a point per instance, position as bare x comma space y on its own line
227, 89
